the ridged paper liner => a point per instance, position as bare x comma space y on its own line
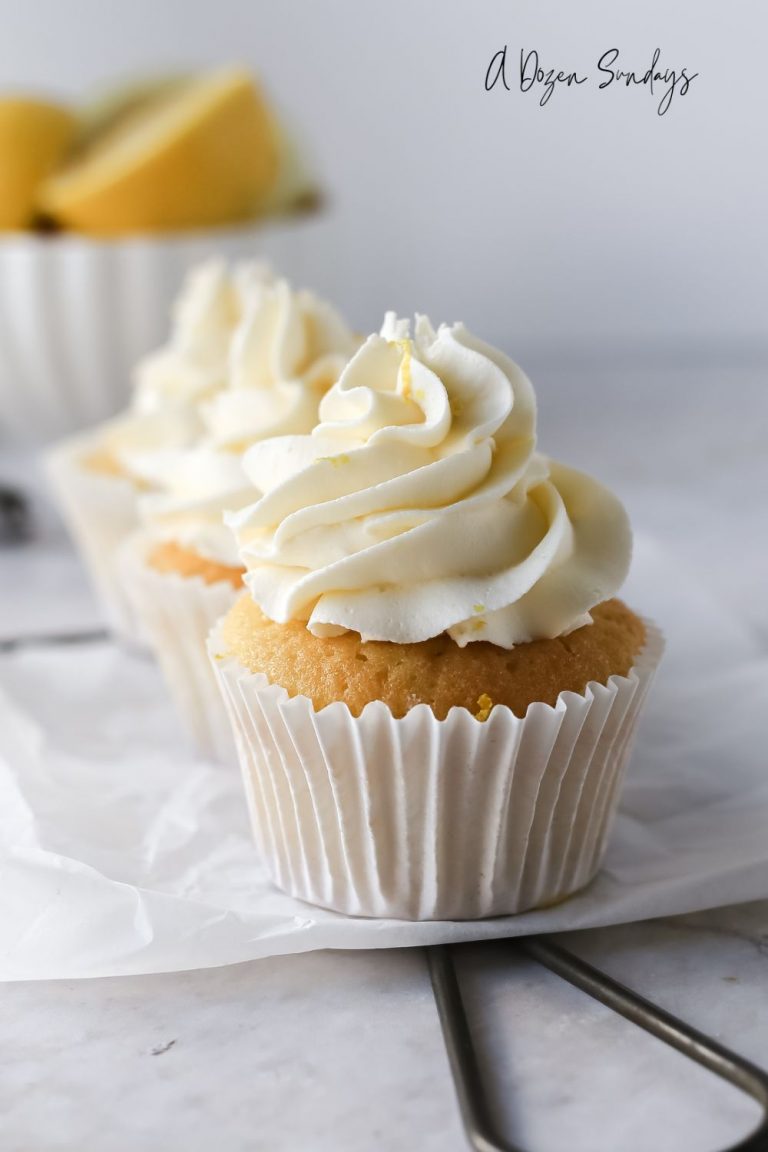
77, 313
425, 819
176, 614
100, 512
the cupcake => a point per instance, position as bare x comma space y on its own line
432, 686
98, 476
182, 571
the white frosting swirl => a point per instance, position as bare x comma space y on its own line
171, 383
192, 490
288, 350
419, 505
194, 362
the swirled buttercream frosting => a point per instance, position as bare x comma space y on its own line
419, 505
286, 352
289, 349
194, 362
171, 383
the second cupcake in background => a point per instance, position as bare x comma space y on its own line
181, 570
98, 476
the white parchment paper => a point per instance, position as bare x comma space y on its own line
122, 853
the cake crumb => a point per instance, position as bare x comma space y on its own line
168, 556
438, 672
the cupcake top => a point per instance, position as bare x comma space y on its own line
419, 505
194, 362
288, 351
172, 382
263, 377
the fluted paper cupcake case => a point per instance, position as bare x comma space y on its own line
424, 819
100, 512
77, 312
176, 614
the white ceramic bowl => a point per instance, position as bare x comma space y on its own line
76, 314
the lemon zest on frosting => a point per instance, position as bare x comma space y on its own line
335, 461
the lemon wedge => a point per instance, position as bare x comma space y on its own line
199, 154
34, 136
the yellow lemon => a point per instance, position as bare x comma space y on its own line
34, 136
199, 154
113, 105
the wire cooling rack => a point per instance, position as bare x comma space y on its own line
473, 1102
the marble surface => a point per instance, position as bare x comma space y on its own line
343, 1051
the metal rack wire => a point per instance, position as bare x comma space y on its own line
473, 1103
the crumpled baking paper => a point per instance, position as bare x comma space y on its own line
123, 853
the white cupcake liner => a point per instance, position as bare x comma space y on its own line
425, 819
176, 614
77, 313
100, 512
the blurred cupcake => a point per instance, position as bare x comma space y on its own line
182, 571
104, 209
433, 691
97, 477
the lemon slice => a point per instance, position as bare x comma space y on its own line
112, 106
34, 136
198, 155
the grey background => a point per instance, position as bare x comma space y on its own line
589, 227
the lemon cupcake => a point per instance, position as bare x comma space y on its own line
98, 476
183, 571
433, 689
